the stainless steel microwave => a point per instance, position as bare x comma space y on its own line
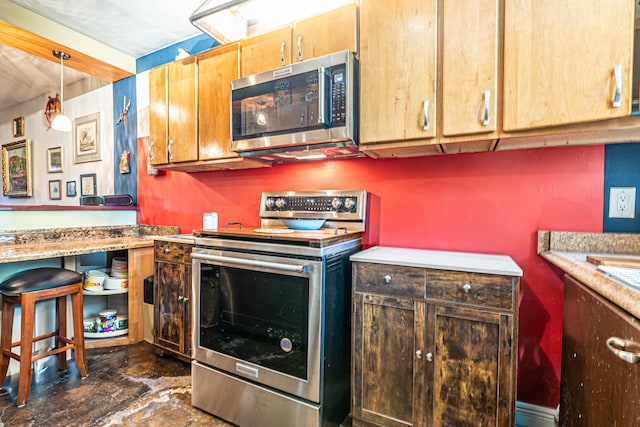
303, 111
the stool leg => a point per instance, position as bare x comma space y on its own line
27, 301
78, 333
5, 339
61, 330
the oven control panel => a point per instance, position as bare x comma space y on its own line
329, 204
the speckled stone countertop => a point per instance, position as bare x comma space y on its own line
27, 245
569, 250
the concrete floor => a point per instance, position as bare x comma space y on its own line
127, 386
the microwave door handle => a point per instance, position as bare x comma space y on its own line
252, 263
322, 89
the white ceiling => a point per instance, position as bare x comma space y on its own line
136, 28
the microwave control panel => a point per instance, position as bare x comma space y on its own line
338, 96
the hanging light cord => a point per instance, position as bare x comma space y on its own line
61, 83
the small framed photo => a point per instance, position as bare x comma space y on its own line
54, 189
18, 126
88, 184
71, 189
55, 161
86, 138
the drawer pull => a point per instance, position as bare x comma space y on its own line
180, 298
467, 288
387, 279
167, 250
418, 354
429, 357
619, 347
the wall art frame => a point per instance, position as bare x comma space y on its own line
71, 189
17, 169
86, 138
18, 127
55, 160
88, 185
54, 189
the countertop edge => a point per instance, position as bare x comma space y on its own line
588, 274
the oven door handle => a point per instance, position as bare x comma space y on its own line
251, 262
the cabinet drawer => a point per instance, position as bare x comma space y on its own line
173, 252
470, 288
389, 279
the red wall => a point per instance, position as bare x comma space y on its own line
482, 202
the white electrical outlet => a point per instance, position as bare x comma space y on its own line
622, 202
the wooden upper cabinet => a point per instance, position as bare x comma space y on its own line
323, 34
560, 61
398, 50
183, 110
173, 114
327, 33
216, 68
158, 116
469, 66
265, 51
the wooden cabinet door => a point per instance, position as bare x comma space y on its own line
329, 32
471, 368
216, 69
265, 52
170, 308
183, 110
469, 66
398, 50
387, 383
158, 116
597, 387
559, 61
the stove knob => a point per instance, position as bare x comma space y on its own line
349, 203
336, 203
270, 203
281, 203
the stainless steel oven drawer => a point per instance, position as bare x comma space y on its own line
246, 404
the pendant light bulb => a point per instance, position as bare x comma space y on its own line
61, 122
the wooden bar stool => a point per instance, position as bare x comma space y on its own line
25, 289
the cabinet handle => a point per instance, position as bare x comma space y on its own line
618, 346
185, 300
282, 46
617, 72
150, 152
387, 279
180, 298
169, 149
300, 47
425, 114
467, 288
429, 357
167, 250
418, 354
485, 115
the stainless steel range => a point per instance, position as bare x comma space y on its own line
271, 333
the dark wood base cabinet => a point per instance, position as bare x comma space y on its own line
172, 298
433, 347
598, 387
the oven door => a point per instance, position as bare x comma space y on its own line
259, 317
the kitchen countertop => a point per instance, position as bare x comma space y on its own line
441, 260
28, 245
569, 250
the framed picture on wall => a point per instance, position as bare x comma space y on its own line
54, 189
16, 169
55, 163
86, 138
88, 184
71, 189
18, 126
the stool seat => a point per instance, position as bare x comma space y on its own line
38, 279
25, 289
